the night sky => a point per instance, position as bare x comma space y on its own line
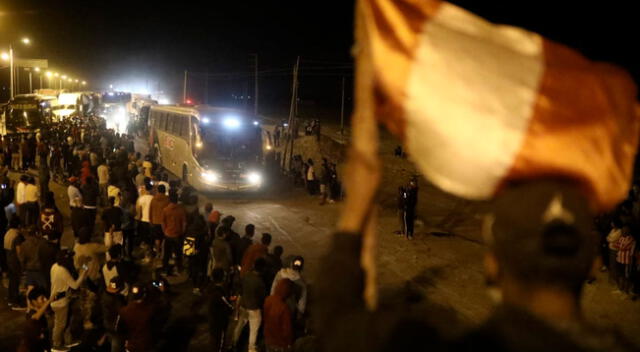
115, 41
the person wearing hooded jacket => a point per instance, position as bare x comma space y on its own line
292, 270
277, 318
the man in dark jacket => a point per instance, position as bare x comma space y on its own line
219, 310
90, 196
251, 302
112, 301
243, 243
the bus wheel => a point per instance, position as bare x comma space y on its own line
185, 175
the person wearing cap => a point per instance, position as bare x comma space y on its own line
293, 266
113, 299
75, 204
135, 322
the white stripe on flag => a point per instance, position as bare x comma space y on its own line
470, 98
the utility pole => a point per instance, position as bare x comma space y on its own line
11, 68
184, 88
255, 89
292, 118
342, 110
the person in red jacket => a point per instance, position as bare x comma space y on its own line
278, 322
174, 224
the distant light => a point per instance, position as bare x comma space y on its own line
188, 101
210, 176
164, 101
205, 120
199, 145
37, 69
5, 57
49, 74
285, 124
64, 77
268, 147
76, 81
84, 83
111, 86
56, 74
231, 122
110, 94
26, 41
256, 123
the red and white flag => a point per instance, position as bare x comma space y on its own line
478, 105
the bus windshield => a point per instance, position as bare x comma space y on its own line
239, 146
21, 116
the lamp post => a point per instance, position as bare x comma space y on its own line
25, 41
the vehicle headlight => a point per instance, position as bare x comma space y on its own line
231, 122
210, 176
254, 178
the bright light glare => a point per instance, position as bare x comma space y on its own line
26, 41
255, 123
5, 56
254, 178
64, 76
56, 74
37, 69
268, 147
110, 94
199, 145
49, 74
210, 176
164, 101
231, 122
205, 120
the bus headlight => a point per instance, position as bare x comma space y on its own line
231, 123
254, 178
210, 176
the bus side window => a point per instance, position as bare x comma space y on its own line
184, 121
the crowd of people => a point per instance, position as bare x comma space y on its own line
134, 232
620, 255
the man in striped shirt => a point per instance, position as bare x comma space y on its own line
626, 248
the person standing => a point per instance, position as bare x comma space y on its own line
112, 221
36, 335
311, 178
255, 251
158, 203
278, 324
410, 204
219, 310
75, 204
90, 196
244, 243
61, 283
44, 176
113, 299
13, 241
174, 224
626, 245
612, 239
20, 198
103, 182
30, 258
31, 198
251, 301
213, 219
143, 215
135, 321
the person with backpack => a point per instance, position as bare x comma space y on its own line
194, 245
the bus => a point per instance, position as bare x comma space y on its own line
27, 113
210, 148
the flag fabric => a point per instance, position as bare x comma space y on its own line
478, 105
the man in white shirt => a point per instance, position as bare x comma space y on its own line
20, 197
75, 203
61, 282
103, 182
31, 197
143, 206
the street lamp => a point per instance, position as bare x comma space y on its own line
5, 56
49, 75
25, 41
